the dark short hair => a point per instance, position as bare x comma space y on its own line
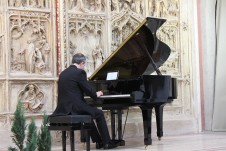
78, 58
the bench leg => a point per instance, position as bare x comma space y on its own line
64, 140
88, 140
72, 140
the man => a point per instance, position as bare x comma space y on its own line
72, 85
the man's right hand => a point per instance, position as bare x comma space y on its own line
99, 93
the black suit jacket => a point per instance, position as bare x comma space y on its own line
72, 85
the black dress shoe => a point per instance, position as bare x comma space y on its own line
99, 145
110, 145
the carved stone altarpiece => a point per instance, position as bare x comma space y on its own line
42, 36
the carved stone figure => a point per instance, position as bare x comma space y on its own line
32, 98
72, 4
80, 6
12, 3
86, 39
137, 6
114, 6
33, 3
39, 63
97, 57
41, 3
30, 56
161, 8
98, 6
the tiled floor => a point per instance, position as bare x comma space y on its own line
207, 141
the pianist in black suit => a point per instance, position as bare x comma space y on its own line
72, 85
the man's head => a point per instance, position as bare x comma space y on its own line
79, 60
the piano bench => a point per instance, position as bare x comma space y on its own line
71, 123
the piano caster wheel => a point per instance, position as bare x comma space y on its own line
145, 147
159, 138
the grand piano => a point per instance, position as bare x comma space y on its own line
140, 55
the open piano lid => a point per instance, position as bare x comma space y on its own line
133, 57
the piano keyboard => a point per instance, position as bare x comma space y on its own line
112, 96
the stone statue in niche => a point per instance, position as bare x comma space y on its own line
97, 6
79, 6
30, 55
97, 57
125, 6
114, 6
32, 98
30, 48
161, 8
87, 38
72, 4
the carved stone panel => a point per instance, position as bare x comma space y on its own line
35, 96
30, 44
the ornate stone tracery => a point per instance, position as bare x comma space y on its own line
87, 37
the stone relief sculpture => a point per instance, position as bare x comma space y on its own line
87, 38
30, 49
87, 6
97, 57
29, 3
32, 98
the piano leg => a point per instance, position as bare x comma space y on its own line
120, 140
147, 125
119, 124
113, 112
159, 120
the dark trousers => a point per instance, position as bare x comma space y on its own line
99, 131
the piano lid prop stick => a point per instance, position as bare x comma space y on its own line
145, 48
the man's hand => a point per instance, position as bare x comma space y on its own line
99, 93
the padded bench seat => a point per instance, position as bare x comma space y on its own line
71, 123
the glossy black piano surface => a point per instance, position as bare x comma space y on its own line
141, 54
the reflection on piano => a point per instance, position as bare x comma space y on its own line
141, 54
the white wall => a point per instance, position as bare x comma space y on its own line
208, 54
219, 120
